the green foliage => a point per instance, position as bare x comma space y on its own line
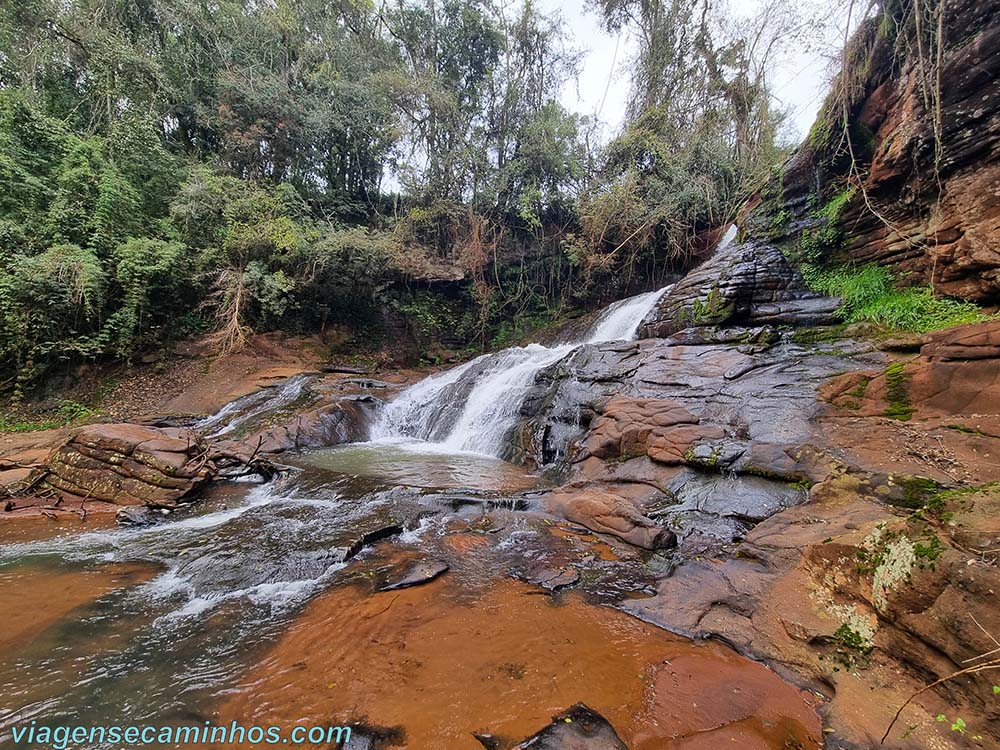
868, 293
897, 381
851, 639
819, 242
172, 166
67, 413
510, 332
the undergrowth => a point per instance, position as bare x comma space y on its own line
868, 294
68, 412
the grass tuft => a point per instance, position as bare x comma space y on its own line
868, 294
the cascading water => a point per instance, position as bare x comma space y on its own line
243, 410
474, 406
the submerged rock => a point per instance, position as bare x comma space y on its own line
577, 728
423, 572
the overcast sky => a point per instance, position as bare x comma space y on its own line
800, 80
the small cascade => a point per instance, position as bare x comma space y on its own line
473, 407
727, 239
621, 320
242, 411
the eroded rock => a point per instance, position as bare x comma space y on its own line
129, 464
744, 284
607, 513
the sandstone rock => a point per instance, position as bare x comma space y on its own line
941, 381
607, 513
929, 209
661, 429
129, 464
743, 284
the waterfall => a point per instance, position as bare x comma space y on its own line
621, 321
474, 406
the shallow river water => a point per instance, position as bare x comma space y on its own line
248, 607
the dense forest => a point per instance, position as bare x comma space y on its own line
173, 167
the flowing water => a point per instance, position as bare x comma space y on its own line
275, 603
474, 407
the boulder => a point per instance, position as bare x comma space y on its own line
661, 429
607, 513
577, 728
128, 464
743, 284
419, 573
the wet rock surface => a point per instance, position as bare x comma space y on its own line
577, 728
723, 484
607, 513
128, 464
748, 284
415, 575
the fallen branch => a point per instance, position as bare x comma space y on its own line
994, 664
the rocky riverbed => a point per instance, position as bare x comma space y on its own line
723, 532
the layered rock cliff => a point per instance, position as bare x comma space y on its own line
902, 167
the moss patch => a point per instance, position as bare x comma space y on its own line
897, 382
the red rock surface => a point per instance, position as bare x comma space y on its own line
128, 464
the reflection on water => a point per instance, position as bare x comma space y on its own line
415, 464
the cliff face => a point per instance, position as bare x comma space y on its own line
913, 180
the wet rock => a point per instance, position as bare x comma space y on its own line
606, 513
552, 578
133, 515
422, 572
304, 411
744, 284
724, 390
372, 537
129, 464
488, 741
346, 369
723, 507
761, 335
577, 728
661, 429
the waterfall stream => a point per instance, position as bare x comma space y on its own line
472, 407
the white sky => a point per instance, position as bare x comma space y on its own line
800, 80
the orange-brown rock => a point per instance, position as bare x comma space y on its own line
128, 464
607, 513
661, 429
927, 143
957, 372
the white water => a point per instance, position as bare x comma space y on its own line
241, 411
621, 321
471, 408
